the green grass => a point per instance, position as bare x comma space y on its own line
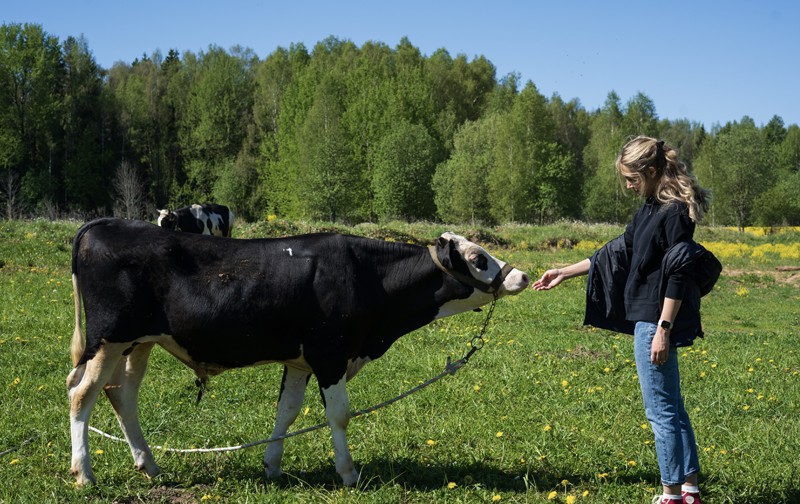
546, 406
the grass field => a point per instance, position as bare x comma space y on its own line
547, 411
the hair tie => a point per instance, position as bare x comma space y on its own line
661, 156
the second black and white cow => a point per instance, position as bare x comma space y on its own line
322, 303
208, 218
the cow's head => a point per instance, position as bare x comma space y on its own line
471, 264
167, 219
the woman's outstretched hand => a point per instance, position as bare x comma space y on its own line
549, 279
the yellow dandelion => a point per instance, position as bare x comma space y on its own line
564, 383
602, 476
702, 374
451, 485
476, 388
607, 370
571, 499
552, 495
499, 434
644, 426
306, 411
723, 452
631, 463
98, 452
547, 428
496, 498
14, 462
585, 493
714, 366
430, 442
745, 407
750, 391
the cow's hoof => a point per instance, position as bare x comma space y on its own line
350, 479
272, 473
83, 479
150, 470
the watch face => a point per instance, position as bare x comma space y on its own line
666, 324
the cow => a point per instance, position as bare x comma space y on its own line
319, 303
208, 218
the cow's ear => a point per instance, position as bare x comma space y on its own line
444, 249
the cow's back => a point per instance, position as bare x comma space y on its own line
263, 298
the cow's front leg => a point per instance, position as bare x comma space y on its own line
337, 409
293, 389
84, 384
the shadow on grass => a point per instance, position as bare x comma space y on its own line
428, 477
412, 475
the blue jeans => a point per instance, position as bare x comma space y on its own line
663, 406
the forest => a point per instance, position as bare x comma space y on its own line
349, 134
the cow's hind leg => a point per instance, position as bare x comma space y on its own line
337, 409
84, 384
293, 388
123, 393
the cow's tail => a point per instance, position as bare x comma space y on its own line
78, 344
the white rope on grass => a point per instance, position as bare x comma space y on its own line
449, 369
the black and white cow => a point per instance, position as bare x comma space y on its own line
319, 303
208, 218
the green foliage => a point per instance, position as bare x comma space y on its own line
739, 166
460, 183
403, 168
606, 199
306, 134
31, 101
780, 204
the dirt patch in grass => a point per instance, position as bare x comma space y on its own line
781, 274
164, 494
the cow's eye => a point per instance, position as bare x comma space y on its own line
480, 262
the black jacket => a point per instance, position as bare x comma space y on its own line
608, 273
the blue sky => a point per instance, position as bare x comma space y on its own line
706, 61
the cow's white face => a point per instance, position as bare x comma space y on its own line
484, 267
469, 259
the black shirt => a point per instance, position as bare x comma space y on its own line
654, 229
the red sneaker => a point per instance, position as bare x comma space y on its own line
691, 497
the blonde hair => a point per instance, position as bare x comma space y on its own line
673, 180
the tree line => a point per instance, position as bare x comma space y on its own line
346, 133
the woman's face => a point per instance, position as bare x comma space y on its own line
641, 185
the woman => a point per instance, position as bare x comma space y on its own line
656, 285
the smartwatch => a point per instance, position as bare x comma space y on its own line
665, 324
